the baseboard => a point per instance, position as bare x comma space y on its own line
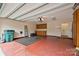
20, 37
53, 36
46, 36
59, 37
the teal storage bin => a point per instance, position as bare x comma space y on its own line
9, 35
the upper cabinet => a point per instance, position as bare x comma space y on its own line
41, 26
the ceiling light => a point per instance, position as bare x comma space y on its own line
41, 19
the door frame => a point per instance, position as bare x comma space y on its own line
26, 31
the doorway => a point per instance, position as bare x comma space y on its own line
26, 30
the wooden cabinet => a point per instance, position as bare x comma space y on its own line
41, 33
77, 20
41, 29
76, 28
41, 26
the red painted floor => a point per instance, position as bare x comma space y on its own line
48, 46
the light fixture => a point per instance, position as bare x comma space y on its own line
41, 19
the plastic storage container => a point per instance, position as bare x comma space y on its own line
8, 35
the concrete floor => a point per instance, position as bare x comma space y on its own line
47, 46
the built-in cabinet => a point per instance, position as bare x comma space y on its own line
41, 26
76, 27
41, 29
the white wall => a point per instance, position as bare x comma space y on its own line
54, 27
17, 26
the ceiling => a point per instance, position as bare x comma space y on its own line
32, 11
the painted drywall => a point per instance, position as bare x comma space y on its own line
8, 24
54, 27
